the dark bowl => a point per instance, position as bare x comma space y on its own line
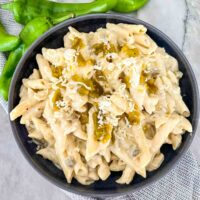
54, 39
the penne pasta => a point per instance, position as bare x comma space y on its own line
105, 102
127, 176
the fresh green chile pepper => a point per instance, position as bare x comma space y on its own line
51, 7
7, 42
8, 70
126, 6
100, 9
36, 27
33, 30
26, 10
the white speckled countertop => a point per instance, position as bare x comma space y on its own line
180, 20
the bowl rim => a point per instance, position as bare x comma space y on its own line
168, 166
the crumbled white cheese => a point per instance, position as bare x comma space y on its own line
129, 62
104, 103
60, 104
135, 73
104, 108
112, 120
100, 118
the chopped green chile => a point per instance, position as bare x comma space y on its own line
143, 77
56, 71
77, 78
133, 117
89, 105
82, 62
151, 87
130, 52
103, 48
99, 76
84, 118
102, 132
60, 85
83, 91
125, 79
56, 97
96, 89
113, 139
149, 82
149, 131
77, 43
95, 104
102, 82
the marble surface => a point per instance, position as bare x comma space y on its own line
180, 20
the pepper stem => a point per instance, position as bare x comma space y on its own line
62, 18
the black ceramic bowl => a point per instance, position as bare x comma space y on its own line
54, 39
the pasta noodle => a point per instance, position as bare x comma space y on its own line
106, 101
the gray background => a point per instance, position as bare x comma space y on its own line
179, 19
